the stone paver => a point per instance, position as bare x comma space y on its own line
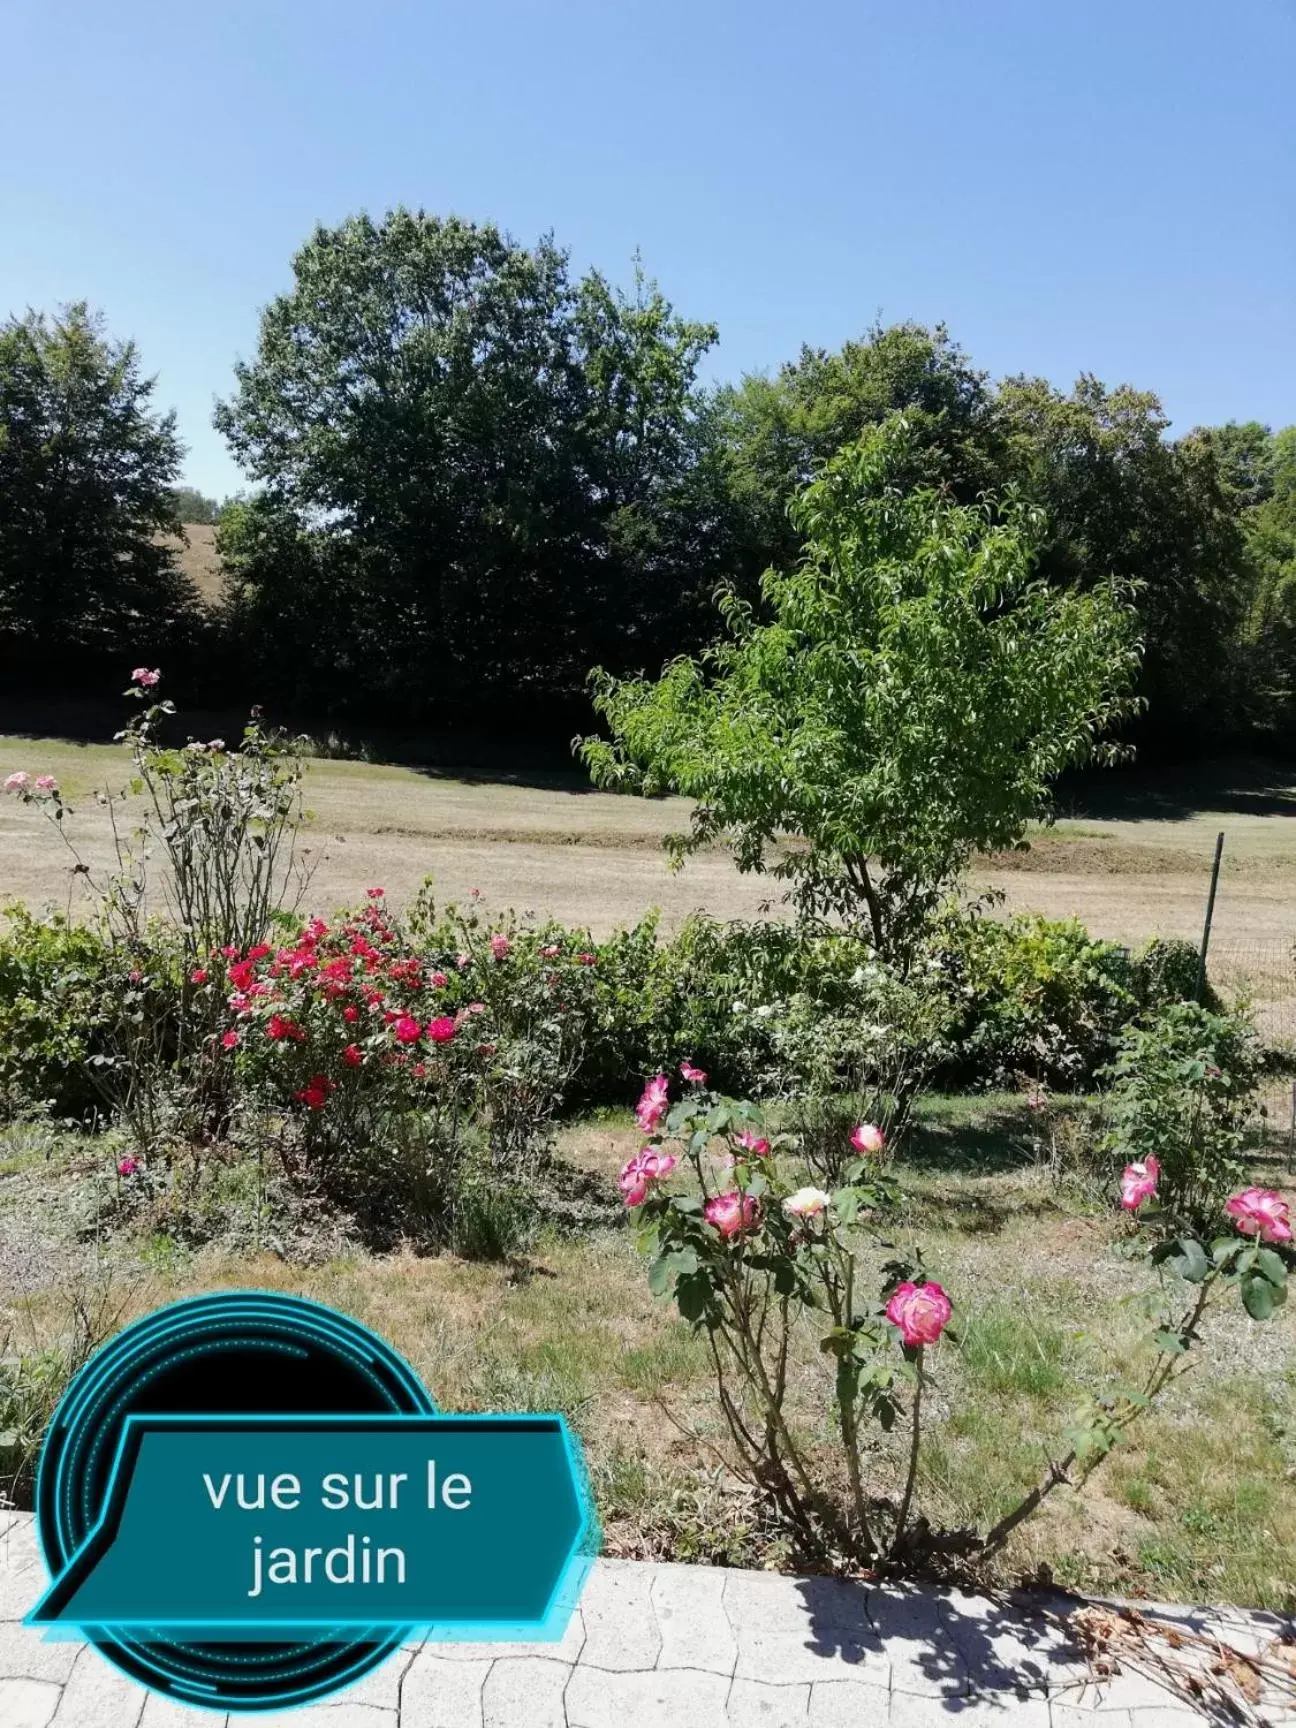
441, 1694
28, 1703
668, 1647
753, 1704
688, 1602
848, 1704
663, 1698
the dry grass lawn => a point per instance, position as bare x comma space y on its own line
593, 859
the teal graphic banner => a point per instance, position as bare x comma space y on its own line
255, 1526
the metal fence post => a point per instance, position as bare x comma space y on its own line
1210, 913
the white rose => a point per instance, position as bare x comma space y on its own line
807, 1203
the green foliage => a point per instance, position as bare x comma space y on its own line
780, 431
59, 983
34, 1376
1165, 971
86, 469
908, 705
1121, 498
193, 507
1183, 1091
455, 435
1038, 999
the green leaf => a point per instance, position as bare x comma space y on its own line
1271, 1266
664, 1271
693, 1293
838, 1341
1189, 1260
1259, 1297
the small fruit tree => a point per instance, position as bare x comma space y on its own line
911, 697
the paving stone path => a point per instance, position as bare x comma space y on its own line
657, 1646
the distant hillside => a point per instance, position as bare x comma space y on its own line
199, 560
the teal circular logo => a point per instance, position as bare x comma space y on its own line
241, 1352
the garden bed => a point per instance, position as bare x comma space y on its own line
1200, 1502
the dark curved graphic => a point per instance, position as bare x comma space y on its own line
244, 1352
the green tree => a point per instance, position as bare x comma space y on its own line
1123, 500
1259, 471
910, 701
193, 506
780, 430
86, 471
501, 467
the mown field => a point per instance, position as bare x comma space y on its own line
594, 859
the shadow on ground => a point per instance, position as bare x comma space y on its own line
1233, 786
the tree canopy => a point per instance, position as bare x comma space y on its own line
511, 468
474, 473
86, 470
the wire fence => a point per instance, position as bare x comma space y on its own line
1262, 971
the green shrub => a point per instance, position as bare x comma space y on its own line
1165, 970
34, 1375
1184, 1092
1039, 999
58, 997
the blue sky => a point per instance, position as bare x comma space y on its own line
1070, 184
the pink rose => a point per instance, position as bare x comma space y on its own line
499, 947
375, 893
229, 1039
1261, 1212
587, 959
921, 1311
734, 1212
406, 1029
442, 1029
18, 782
650, 1111
1139, 1183
463, 961
126, 1166
47, 784
868, 1139
438, 980
550, 951
642, 1171
142, 675
694, 1076
755, 1145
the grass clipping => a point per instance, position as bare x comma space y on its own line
1197, 1664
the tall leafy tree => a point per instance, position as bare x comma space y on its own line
781, 429
86, 470
1123, 500
1258, 469
500, 463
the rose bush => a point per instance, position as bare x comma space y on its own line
754, 1258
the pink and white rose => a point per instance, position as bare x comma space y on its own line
734, 1213
1261, 1212
921, 1311
868, 1139
1139, 1183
